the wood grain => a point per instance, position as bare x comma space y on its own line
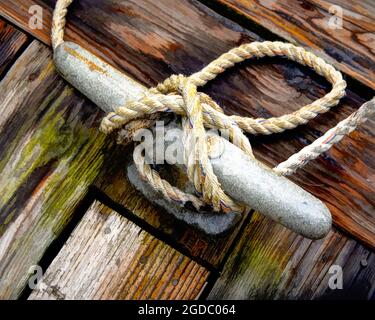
51, 151
140, 39
109, 257
313, 24
12, 41
150, 42
271, 262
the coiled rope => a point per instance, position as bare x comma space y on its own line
180, 95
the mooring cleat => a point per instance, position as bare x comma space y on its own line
212, 223
244, 179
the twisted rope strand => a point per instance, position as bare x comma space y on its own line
58, 22
325, 142
179, 94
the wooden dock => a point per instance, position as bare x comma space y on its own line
67, 206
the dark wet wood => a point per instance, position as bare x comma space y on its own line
271, 262
315, 24
12, 42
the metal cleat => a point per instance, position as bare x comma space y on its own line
244, 179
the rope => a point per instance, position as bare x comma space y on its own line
58, 22
179, 94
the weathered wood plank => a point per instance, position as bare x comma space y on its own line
51, 151
109, 257
139, 38
11, 43
315, 24
271, 262
281, 85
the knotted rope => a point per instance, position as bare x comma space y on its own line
179, 94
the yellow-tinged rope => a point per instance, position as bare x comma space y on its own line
179, 94
58, 22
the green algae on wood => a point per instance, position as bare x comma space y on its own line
343, 178
271, 262
51, 151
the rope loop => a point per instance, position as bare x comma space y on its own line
179, 94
